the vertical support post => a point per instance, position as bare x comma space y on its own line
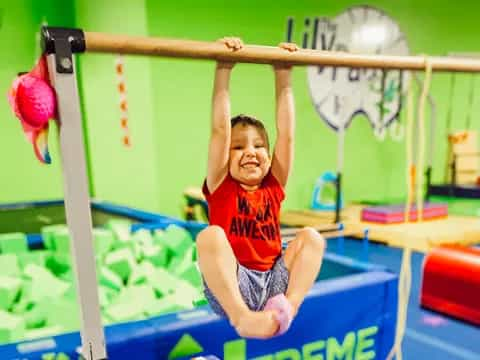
365, 246
59, 44
338, 189
428, 176
453, 179
341, 240
340, 159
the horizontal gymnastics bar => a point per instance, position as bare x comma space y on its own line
138, 45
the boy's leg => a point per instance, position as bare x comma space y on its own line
219, 269
303, 258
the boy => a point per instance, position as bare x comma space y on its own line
240, 254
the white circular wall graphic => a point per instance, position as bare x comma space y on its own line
338, 94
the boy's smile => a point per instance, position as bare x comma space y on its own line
249, 157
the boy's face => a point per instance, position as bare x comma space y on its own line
249, 157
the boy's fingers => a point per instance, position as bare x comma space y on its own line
233, 43
289, 46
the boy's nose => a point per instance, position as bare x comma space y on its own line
250, 151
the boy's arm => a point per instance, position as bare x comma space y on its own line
219, 148
285, 119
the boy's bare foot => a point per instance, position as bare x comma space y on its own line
256, 324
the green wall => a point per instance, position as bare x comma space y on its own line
170, 99
22, 177
124, 175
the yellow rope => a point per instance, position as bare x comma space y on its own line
410, 175
405, 277
421, 137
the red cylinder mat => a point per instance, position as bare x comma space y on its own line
451, 282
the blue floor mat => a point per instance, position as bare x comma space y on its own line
429, 335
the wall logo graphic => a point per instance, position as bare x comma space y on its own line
354, 345
339, 93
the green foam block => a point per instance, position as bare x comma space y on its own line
36, 317
37, 257
48, 234
61, 240
59, 263
110, 279
139, 297
106, 295
143, 236
159, 255
12, 327
164, 305
41, 283
103, 240
141, 273
192, 275
9, 264
122, 262
131, 304
186, 295
47, 331
179, 264
122, 312
23, 304
177, 239
120, 228
65, 313
163, 282
13, 243
9, 290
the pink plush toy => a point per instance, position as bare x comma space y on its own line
33, 102
283, 312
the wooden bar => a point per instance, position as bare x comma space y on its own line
137, 45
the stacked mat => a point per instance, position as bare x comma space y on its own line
390, 214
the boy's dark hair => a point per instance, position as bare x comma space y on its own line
246, 120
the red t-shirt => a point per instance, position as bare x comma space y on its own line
249, 219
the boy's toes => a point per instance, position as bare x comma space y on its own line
283, 312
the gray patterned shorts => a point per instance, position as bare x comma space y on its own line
255, 286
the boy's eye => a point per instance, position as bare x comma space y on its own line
236, 147
257, 146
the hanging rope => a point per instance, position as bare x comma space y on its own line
421, 136
405, 278
397, 130
410, 173
450, 104
470, 101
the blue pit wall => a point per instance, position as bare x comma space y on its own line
350, 313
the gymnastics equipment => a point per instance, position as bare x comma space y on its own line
451, 282
320, 190
341, 243
391, 214
60, 44
431, 147
461, 170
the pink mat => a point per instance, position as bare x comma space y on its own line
389, 214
